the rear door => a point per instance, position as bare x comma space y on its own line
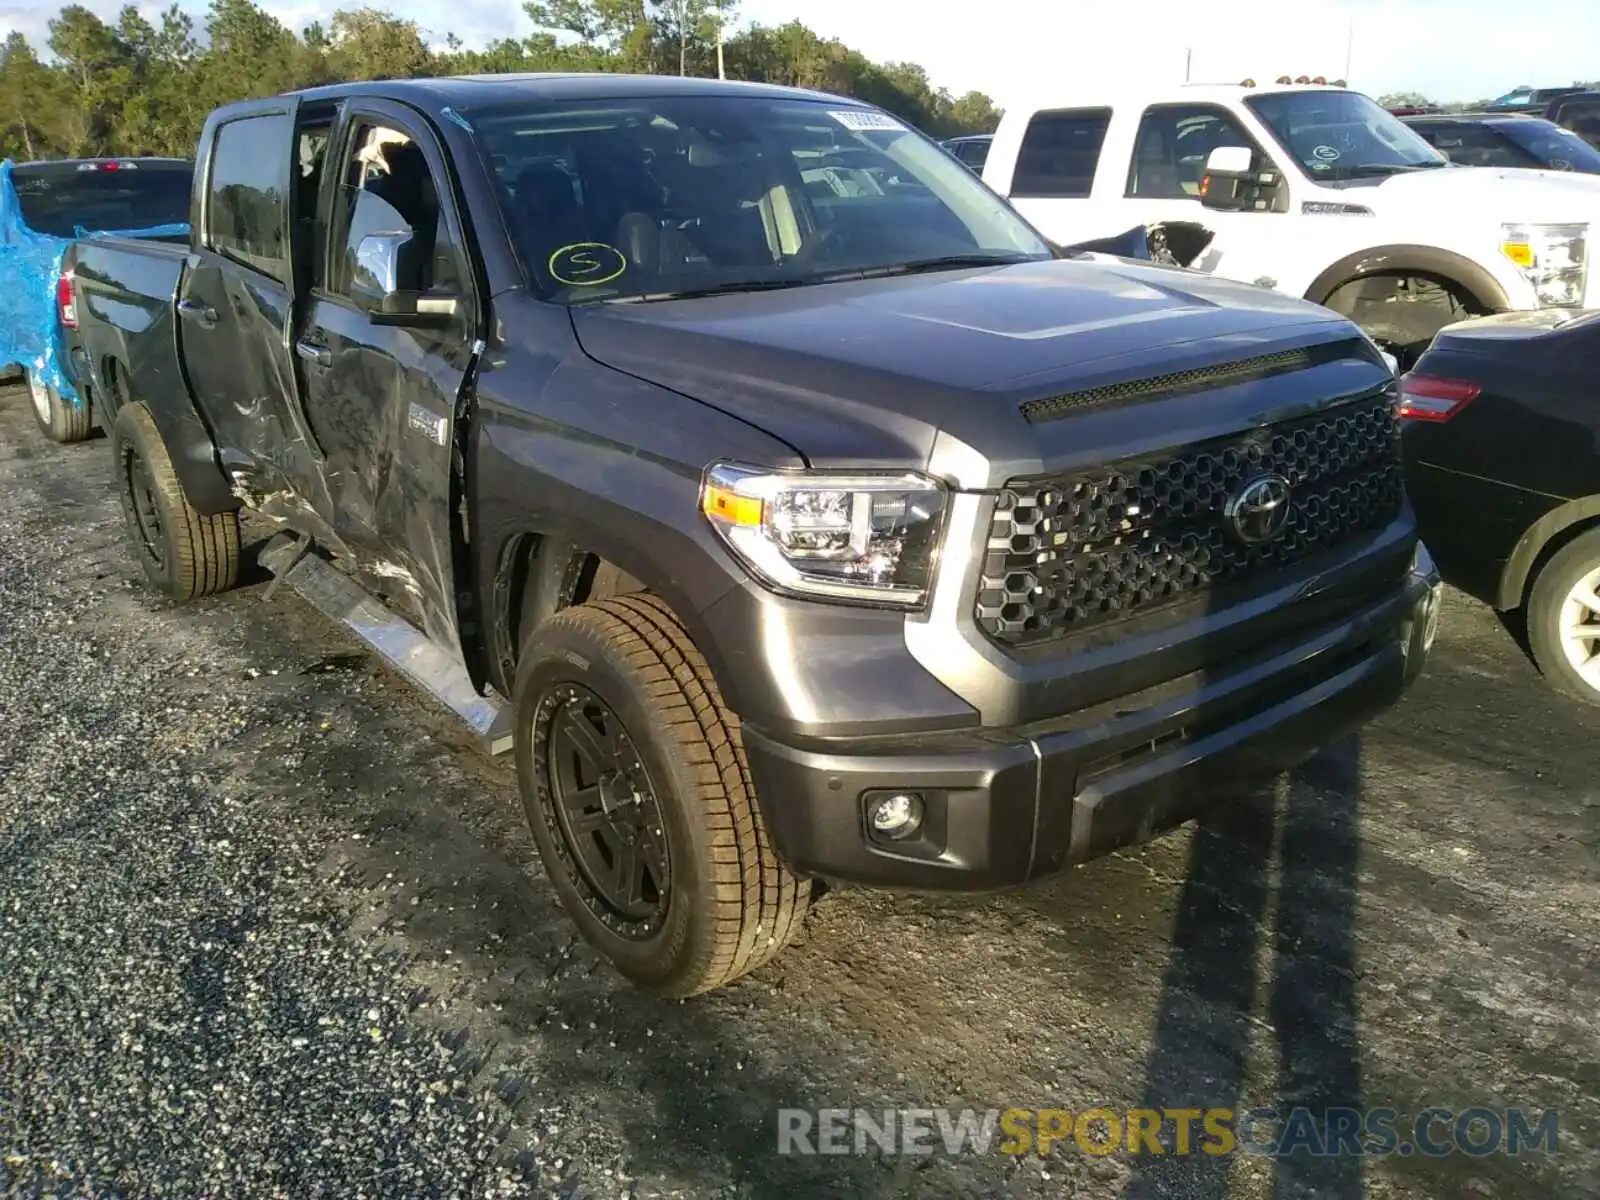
382, 398
236, 300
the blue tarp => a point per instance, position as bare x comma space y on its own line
30, 263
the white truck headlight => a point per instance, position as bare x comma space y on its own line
1553, 258
859, 537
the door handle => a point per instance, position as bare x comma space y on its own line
315, 352
204, 314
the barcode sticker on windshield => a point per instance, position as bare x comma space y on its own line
861, 121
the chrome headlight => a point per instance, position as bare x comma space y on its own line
865, 538
1553, 258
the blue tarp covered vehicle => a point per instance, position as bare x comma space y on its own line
43, 207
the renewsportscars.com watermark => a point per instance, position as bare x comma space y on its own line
1332, 1132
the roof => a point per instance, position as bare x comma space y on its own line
1179, 93
477, 91
1476, 118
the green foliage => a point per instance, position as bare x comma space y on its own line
1404, 100
133, 86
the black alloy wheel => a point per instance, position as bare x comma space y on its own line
601, 800
142, 505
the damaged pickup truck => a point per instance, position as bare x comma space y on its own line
760, 479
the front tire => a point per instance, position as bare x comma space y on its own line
184, 553
59, 420
639, 796
1563, 616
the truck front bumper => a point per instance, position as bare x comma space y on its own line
1002, 807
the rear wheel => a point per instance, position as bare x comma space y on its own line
61, 420
184, 553
1563, 616
634, 777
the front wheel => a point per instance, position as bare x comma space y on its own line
184, 553
1564, 618
634, 777
61, 420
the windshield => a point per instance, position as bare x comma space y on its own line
1553, 146
1342, 135
651, 198
56, 198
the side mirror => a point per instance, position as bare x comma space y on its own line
1232, 183
1229, 162
387, 267
384, 283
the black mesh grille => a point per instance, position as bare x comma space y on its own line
1203, 379
1078, 550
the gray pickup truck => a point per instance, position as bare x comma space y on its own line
781, 499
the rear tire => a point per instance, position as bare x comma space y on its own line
1560, 618
711, 901
60, 420
184, 553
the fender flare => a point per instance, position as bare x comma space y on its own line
1519, 566
1403, 259
184, 433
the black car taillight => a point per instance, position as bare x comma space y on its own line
1430, 398
67, 301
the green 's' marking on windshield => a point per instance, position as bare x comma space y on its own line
586, 264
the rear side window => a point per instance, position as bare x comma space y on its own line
1583, 119
973, 153
1059, 154
245, 199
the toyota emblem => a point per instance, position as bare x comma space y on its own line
1259, 510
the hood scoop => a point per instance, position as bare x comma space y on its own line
1180, 383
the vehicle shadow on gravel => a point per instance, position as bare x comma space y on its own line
1264, 868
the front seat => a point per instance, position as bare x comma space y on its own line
1155, 173
551, 214
659, 252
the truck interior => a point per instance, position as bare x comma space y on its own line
687, 193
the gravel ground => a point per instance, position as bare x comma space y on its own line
269, 927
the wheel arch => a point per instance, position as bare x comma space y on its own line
1402, 259
536, 575
189, 443
1538, 543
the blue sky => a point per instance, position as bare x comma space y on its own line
1447, 49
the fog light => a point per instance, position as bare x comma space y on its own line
895, 817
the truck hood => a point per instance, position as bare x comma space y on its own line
1535, 197
870, 371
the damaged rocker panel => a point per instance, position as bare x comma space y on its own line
430, 666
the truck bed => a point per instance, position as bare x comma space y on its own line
126, 288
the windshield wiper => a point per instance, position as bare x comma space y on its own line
1359, 169
715, 289
946, 262
943, 263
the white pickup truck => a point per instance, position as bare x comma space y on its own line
1311, 190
